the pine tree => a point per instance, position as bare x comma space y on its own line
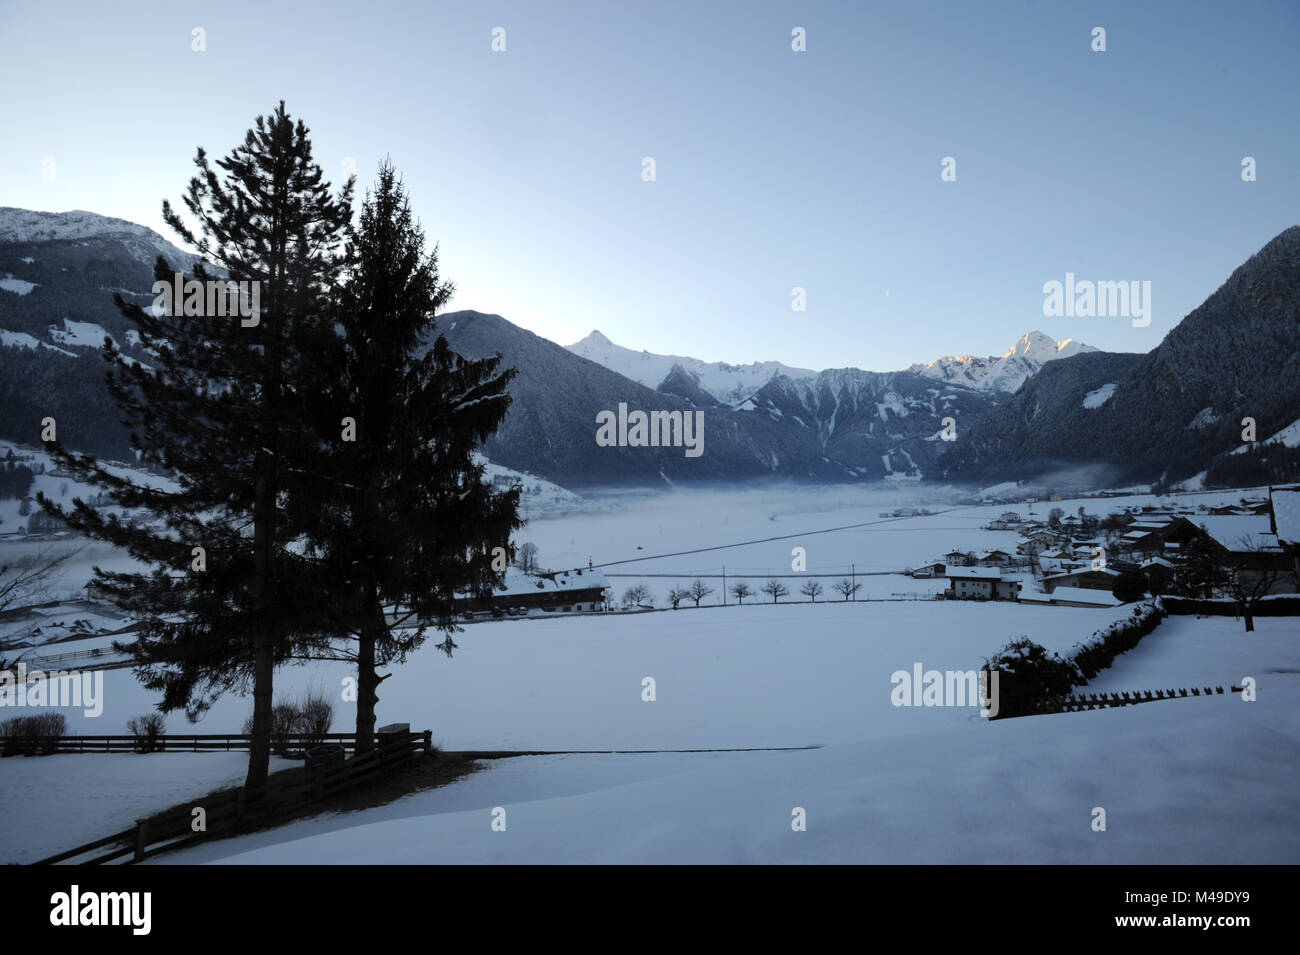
404, 520
220, 408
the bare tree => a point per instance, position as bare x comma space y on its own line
27, 579
677, 595
698, 591
775, 589
637, 596
847, 588
527, 560
740, 591
812, 590
1250, 578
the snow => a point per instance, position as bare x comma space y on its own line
730, 384
517, 583
26, 225
890, 784
1101, 598
1286, 514
975, 573
83, 334
1169, 775
1229, 529
43, 799
1008, 372
23, 340
17, 286
1288, 436
1097, 398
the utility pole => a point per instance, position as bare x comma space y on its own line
724, 585
853, 579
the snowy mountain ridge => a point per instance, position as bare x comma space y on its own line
27, 225
1007, 373
735, 385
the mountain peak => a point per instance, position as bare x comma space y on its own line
1040, 347
594, 337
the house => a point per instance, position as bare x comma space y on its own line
1250, 552
1082, 597
1152, 537
1284, 521
578, 591
1086, 578
1156, 562
1043, 535
935, 568
1010, 517
956, 558
981, 583
993, 558
1059, 561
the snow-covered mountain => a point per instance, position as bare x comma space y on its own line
733, 385
728, 384
1007, 373
27, 225
1168, 413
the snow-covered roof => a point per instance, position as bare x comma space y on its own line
1034, 596
1229, 530
982, 573
1083, 570
1156, 562
1286, 514
1083, 595
517, 583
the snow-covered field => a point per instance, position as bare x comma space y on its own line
52, 803
1182, 781
1186, 781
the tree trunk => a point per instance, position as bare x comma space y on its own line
367, 678
259, 750
1250, 622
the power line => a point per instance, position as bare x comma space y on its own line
806, 575
766, 540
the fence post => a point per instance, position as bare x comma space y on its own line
428, 741
140, 842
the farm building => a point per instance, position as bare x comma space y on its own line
981, 583
1086, 578
578, 591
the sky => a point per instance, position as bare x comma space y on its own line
774, 169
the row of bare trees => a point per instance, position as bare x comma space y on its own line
640, 595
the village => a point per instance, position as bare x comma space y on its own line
1077, 560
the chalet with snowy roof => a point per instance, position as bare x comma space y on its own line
1252, 551
1082, 597
576, 591
1043, 535
981, 583
993, 558
1086, 578
1284, 521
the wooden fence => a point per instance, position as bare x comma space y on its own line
230, 812
168, 743
1077, 703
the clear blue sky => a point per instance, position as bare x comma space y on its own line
775, 169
